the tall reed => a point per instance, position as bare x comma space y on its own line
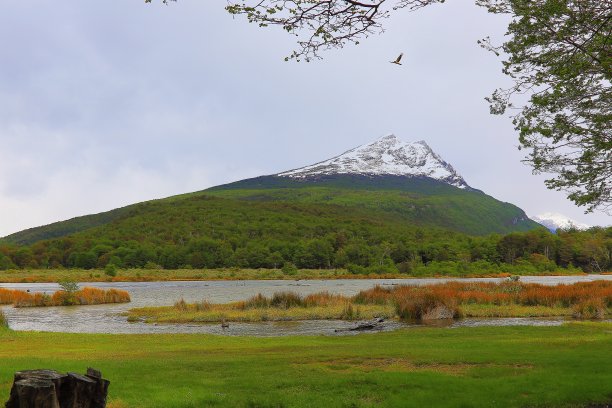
3, 320
85, 296
505, 293
285, 300
590, 309
375, 296
6, 296
427, 305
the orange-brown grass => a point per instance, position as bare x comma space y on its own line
427, 304
505, 293
6, 296
590, 309
255, 302
376, 296
507, 299
85, 296
11, 296
95, 296
285, 300
323, 299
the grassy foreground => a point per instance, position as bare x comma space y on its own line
146, 275
567, 366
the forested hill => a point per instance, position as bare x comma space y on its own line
418, 201
385, 179
378, 224
65, 228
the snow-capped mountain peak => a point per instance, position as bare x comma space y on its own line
387, 155
555, 221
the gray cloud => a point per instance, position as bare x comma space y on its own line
107, 103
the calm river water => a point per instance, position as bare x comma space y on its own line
108, 318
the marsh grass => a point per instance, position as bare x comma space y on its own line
447, 300
181, 305
84, 296
3, 320
506, 299
282, 306
256, 302
6, 296
219, 313
590, 309
505, 293
286, 300
426, 304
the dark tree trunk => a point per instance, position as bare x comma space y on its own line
51, 389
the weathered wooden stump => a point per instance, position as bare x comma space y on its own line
51, 389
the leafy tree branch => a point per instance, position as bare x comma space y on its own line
323, 24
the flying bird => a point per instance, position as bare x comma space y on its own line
397, 61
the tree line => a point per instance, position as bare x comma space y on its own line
411, 250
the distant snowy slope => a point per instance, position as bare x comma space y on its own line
555, 221
385, 156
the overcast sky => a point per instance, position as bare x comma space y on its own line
107, 103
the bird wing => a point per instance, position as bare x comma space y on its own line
400, 57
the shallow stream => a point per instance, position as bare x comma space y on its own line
109, 318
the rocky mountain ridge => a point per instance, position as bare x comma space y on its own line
387, 155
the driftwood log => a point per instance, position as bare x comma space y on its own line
376, 324
51, 389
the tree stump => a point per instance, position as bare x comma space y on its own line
51, 389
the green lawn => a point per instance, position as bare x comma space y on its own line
470, 367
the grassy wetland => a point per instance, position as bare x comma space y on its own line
566, 366
66, 297
586, 300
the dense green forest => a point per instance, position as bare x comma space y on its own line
421, 201
204, 231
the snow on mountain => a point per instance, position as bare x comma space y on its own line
387, 155
555, 221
